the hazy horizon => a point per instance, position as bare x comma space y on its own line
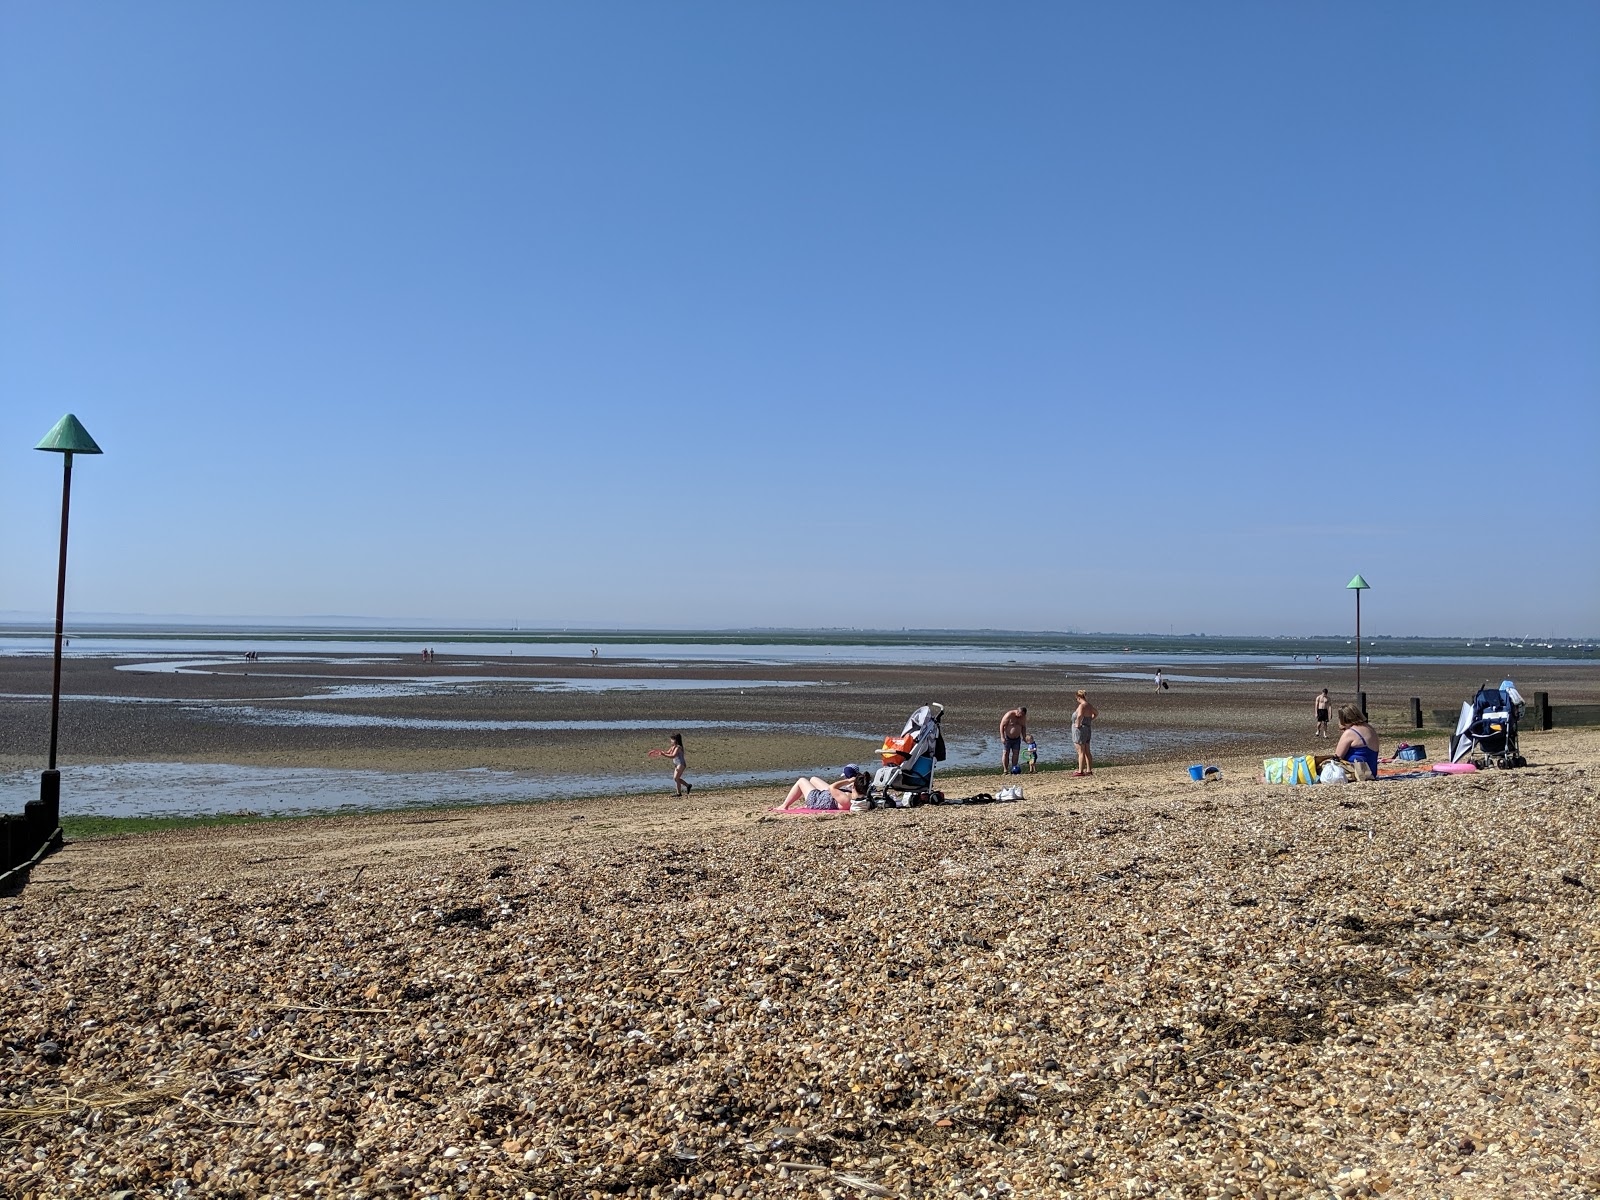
382, 624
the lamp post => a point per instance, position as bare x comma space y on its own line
67, 438
1358, 585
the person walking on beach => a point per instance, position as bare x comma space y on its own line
674, 751
1082, 727
1033, 754
1013, 728
1321, 704
1160, 680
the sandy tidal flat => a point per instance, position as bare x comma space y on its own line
1120, 986
337, 717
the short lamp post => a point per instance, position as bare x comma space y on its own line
1358, 585
67, 438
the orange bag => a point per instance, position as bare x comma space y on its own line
897, 749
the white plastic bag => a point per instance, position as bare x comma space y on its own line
1333, 772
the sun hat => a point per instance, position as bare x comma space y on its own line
850, 771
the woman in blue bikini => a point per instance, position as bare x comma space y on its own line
1358, 740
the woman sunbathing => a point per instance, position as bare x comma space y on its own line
821, 796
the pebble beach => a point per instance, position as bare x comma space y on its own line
1127, 985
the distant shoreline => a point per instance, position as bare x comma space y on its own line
33, 636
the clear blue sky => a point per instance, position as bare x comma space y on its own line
1109, 316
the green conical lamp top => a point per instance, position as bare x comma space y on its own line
69, 437
1358, 583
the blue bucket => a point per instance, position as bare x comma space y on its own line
1197, 773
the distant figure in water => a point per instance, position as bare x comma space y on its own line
675, 751
594, 651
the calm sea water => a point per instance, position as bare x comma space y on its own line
993, 650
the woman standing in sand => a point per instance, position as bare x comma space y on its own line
1082, 727
674, 751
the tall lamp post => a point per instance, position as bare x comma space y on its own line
67, 438
1358, 585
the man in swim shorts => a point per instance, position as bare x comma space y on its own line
1321, 703
1013, 728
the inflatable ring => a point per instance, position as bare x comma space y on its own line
1454, 768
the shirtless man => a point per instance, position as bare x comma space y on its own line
1013, 728
1321, 703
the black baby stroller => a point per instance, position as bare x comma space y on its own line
906, 777
1488, 726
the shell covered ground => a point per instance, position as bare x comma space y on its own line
1127, 985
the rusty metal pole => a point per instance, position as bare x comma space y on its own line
61, 605
1358, 585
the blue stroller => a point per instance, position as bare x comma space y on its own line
1488, 727
906, 777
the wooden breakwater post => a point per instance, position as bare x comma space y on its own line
26, 839
1416, 712
1361, 701
1541, 712
1541, 716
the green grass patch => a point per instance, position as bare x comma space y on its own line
79, 828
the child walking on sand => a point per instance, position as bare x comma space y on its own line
1032, 758
674, 750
